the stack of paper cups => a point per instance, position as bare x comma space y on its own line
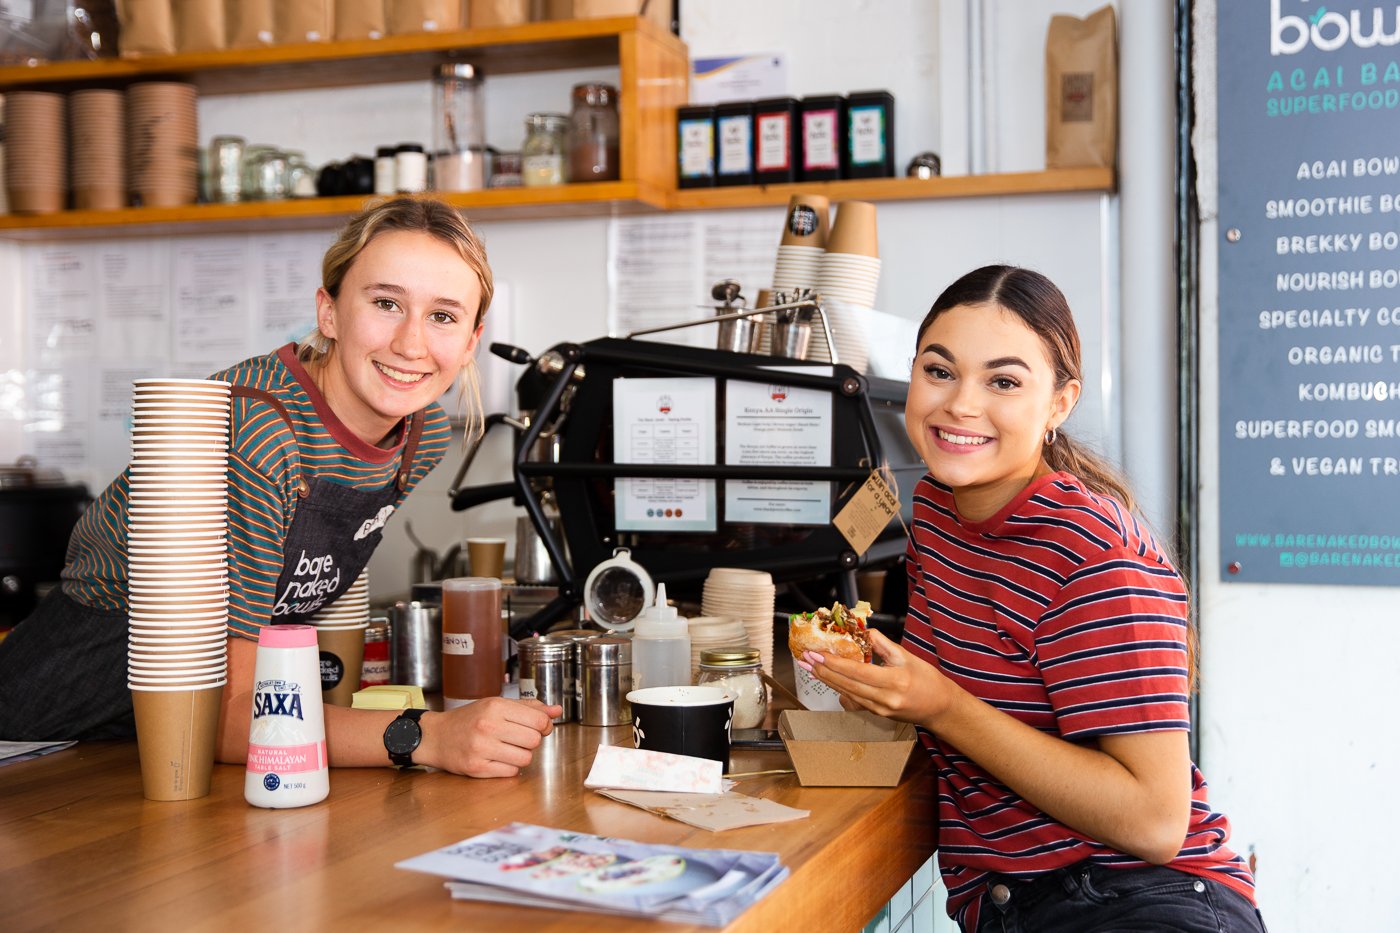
177, 584
850, 269
746, 595
713, 632
804, 241
340, 633
36, 151
97, 125
163, 143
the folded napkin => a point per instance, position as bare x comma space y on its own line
714, 812
639, 769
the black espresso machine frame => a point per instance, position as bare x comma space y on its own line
576, 404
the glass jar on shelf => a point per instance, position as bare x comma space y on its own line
738, 671
542, 153
251, 167
301, 177
593, 133
226, 169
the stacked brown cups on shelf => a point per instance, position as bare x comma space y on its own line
36, 151
849, 279
97, 129
177, 586
163, 143
745, 595
340, 634
805, 228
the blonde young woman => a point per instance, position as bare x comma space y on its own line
1046, 657
327, 439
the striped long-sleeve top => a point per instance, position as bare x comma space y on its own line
1062, 611
266, 460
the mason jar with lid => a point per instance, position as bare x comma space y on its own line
542, 154
738, 671
593, 133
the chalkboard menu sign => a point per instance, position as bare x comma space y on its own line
1309, 118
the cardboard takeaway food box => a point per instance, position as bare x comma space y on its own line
845, 749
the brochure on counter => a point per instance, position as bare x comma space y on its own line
541, 867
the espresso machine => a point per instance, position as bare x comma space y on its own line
565, 469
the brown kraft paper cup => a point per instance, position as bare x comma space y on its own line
487, 556
176, 732
342, 655
855, 231
807, 221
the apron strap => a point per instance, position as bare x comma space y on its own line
259, 395
410, 447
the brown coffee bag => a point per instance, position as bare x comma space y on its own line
200, 25
248, 23
658, 11
303, 21
360, 19
484, 14
409, 16
147, 27
1081, 91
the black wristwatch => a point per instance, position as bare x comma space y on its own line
402, 737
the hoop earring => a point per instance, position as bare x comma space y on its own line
1050, 436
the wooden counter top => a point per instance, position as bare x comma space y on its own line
80, 848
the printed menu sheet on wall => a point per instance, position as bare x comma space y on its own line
1309, 291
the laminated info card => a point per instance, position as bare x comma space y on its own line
664, 421
771, 424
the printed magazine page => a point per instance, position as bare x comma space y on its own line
539, 866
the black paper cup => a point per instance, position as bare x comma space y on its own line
683, 721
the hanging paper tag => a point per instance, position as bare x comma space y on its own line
862, 519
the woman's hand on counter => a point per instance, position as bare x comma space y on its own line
900, 687
495, 737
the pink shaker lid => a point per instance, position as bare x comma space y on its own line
287, 636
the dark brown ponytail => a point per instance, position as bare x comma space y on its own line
1042, 307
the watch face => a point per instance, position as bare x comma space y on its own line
402, 736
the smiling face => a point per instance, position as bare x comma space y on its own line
403, 325
981, 397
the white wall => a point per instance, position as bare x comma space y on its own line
1297, 733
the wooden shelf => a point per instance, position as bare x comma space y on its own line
598, 199
583, 200
546, 46
1053, 181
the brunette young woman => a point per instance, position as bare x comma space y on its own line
1047, 655
328, 436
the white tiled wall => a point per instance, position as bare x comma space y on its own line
918, 907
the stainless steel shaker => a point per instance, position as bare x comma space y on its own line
607, 676
545, 667
415, 644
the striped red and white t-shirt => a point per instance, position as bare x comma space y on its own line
1062, 611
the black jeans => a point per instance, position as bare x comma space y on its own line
1088, 898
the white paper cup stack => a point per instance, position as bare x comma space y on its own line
848, 325
797, 267
36, 151
163, 143
177, 529
850, 278
713, 632
177, 582
746, 595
